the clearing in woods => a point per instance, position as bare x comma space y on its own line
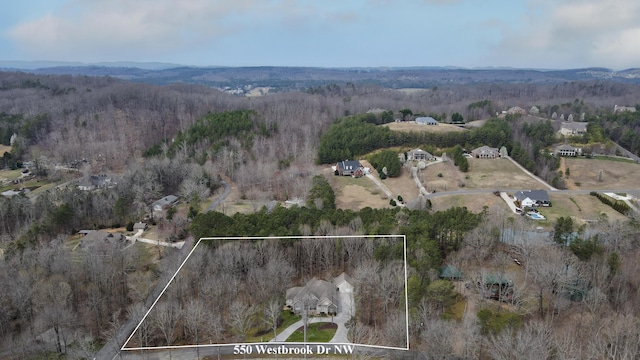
616, 173
407, 126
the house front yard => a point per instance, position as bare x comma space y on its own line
316, 332
498, 174
583, 208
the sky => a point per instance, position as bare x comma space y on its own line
544, 34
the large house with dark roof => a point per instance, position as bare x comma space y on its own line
349, 168
318, 296
531, 198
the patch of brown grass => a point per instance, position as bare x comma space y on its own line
4, 149
498, 174
615, 174
407, 126
450, 180
473, 202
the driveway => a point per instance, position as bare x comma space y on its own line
225, 192
346, 309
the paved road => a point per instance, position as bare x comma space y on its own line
225, 192
111, 350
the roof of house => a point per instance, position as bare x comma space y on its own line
566, 147
578, 126
426, 120
349, 164
102, 239
139, 225
450, 272
343, 278
492, 279
536, 195
485, 149
315, 290
167, 200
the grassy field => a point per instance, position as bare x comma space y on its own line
316, 332
499, 174
407, 126
616, 174
287, 320
441, 177
475, 203
583, 208
355, 194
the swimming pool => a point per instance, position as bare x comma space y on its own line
535, 216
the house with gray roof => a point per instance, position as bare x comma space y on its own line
98, 241
426, 120
419, 155
531, 198
165, 203
485, 152
95, 182
318, 296
573, 128
567, 150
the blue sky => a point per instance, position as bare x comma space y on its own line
327, 33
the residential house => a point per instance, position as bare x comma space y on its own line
498, 287
344, 283
617, 108
450, 272
95, 182
485, 152
318, 296
567, 150
165, 203
349, 168
426, 120
531, 198
100, 241
419, 154
516, 110
573, 128
140, 226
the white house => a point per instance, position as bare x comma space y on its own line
419, 154
568, 150
485, 152
531, 198
426, 120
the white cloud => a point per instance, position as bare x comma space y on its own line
573, 33
109, 28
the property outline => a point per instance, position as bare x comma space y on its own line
170, 347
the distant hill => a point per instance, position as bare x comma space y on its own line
296, 78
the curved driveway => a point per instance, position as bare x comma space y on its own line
343, 316
225, 192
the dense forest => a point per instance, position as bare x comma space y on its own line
185, 140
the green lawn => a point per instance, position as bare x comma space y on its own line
316, 332
287, 319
